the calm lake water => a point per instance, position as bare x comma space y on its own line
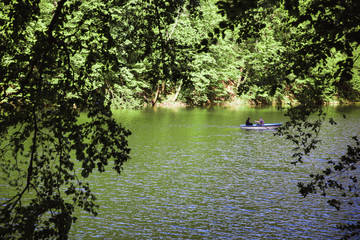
194, 174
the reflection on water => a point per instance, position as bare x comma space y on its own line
195, 174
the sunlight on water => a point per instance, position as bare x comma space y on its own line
194, 174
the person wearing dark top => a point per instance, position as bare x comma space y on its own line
248, 122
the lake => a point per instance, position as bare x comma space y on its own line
195, 174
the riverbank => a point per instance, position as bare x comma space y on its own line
238, 102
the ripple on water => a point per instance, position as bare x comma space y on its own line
204, 179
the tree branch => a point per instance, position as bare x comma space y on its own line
56, 16
176, 22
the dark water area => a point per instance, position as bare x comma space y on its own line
195, 174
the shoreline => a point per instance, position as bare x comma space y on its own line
235, 103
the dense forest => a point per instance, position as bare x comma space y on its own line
59, 56
172, 66
174, 53
175, 66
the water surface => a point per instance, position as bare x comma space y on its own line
194, 174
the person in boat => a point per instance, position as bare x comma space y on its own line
248, 122
260, 122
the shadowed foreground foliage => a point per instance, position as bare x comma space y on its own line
46, 153
58, 57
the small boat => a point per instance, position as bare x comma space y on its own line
268, 126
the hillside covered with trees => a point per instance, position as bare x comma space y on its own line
191, 57
183, 52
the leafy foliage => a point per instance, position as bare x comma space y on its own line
332, 177
51, 65
153, 59
292, 47
59, 58
214, 72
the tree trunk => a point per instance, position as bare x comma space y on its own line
177, 92
241, 79
153, 102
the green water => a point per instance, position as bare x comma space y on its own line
195, 174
